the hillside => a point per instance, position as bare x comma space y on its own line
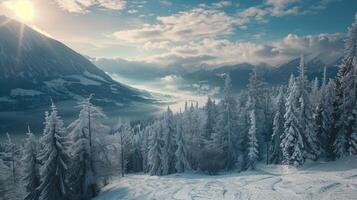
35, 69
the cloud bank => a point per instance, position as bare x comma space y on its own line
83, 6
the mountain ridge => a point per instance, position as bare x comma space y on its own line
271, 75
35, 68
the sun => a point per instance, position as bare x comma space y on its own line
23, 9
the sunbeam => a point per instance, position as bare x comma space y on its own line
23, 9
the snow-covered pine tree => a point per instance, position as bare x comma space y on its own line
345, 139
136, 157
30, 173
83, 134
124, 134
278, 129
305, 115
258, 101
319, 128
199, 134
145, 147
243, 127
54, 158
352, 143
211, 113
292, 145
226, 129
182, 163
4, 176
338, 138
9, 156
168, 148
194, 131
328, 98
253, 142
154, 154
315, 94
10, 187
188, 128
268, 119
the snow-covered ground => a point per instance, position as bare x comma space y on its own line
315, 180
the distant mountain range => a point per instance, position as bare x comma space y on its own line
211, 78
272, 75
35, 69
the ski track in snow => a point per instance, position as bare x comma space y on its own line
327, 181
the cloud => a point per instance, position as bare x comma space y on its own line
218, 52
279, 8
256, 13
194, 24
169, 78
132, 11
83, 6
222, 4
156, 45
201, 36
330, 45
282, 7
216, 5
318, 5
165, 2
208, 21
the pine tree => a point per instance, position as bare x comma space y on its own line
188, 127
243, 127
352, 143
315, 94
253, 142
345, 139
328, 98
199, 140
211, 113
154, 154
125, 133
9, 156
226, 129
4, 176
278, 129
338, 139
168, 148
291, 141
145, 148
258, 101
305, 116
30, 174
10, 185
53, 157
82, 133
182, 163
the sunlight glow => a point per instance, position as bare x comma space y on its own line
23, 9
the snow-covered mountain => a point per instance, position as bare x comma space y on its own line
35, 68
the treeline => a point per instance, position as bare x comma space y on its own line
64, 163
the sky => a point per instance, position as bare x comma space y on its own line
191, 33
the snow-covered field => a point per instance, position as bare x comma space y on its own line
315, 180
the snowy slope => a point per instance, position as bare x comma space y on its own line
317, 180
